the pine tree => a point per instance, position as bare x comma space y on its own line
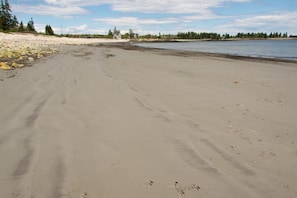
109, 35
49, 30
7, 20
21, 27
5, 16
1, 15
15, 22
30, 26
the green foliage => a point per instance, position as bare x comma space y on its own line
215, 36
9, 22
259, 35
126, 36
202, 35
49, 30
278, 35
6, 20
109, 35
149, 36
15, 22
21, 27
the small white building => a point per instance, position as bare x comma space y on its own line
117, 34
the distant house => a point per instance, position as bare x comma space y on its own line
117, 34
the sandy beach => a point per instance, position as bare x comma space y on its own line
121, 122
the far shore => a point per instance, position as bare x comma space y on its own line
130, 46
203, 40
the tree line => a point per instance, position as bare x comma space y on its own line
202, 35
216, 36
10, 23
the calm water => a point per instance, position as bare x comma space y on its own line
282, 49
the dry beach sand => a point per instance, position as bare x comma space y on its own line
104, 121
21, 49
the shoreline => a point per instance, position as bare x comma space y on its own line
185, 53
207, 40
52, 49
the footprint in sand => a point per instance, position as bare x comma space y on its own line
181, 190
148, 183
84, 195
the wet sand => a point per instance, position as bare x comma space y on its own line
109, 121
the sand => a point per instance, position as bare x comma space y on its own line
103, 121
31, 40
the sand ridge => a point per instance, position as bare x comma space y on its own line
18, 50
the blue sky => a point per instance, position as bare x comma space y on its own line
159, 16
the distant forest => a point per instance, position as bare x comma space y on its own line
215, 36
187, 35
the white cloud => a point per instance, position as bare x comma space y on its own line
49, 10
67, 8
76, 29
40, 27
202, 16
66, 30
133, 21
149, 6
141, 26
80, 29
166, 6
284, 22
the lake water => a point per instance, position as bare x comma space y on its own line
281, 49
